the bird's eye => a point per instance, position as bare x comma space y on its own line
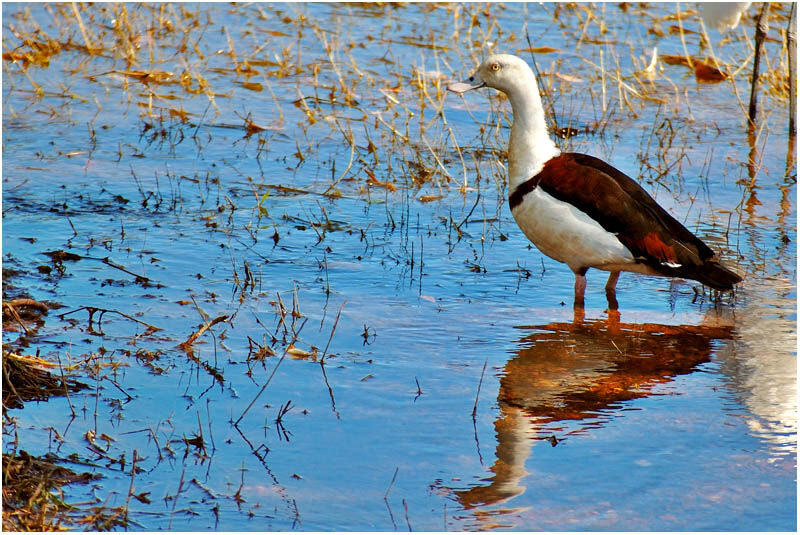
495, 67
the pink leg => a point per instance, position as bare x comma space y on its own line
580, 289
611, 290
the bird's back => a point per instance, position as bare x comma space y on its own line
623, 208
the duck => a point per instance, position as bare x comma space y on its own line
581, 211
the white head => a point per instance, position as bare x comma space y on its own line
529, 145
503, 72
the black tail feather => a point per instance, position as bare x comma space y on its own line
715, 275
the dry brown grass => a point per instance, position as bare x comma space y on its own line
369, 114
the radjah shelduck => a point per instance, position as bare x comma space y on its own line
578, 209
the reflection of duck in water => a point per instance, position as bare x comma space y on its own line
577, 371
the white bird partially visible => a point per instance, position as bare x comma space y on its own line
723, 15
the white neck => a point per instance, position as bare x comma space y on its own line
529, 146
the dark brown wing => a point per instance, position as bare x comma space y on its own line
624, 208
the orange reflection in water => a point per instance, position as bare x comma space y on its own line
573, 371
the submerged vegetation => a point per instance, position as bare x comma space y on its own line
208, 208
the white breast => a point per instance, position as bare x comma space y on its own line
568, 235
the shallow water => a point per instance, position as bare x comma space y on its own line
414, 300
